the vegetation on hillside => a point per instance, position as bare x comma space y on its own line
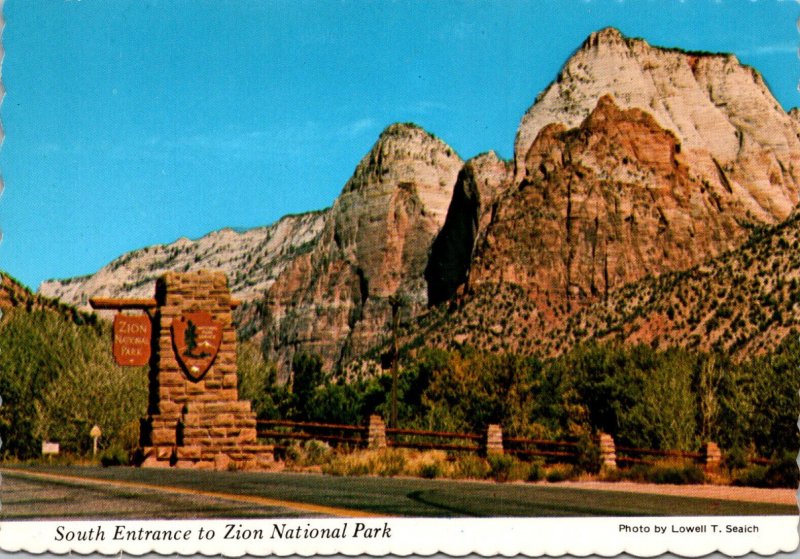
58, 379
644, 397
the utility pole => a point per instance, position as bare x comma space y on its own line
396, 301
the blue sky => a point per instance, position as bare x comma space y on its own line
130, 123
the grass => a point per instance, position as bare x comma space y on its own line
402, 496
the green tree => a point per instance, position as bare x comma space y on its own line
664, 415
57, 379
307, 377
258, 382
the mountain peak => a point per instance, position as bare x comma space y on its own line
407, 153
408, 132
721, 112
605, 36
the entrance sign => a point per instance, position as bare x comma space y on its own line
197, 338
132, 340
195, 418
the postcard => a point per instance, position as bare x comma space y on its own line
400, 278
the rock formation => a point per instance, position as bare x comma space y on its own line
635, 162
336, 300
251, 259
743, 302
732, 130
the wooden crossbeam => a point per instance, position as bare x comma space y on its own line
103, 303
119, 304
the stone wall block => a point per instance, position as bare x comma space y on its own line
494, 439
608, 452
376, 432
712, 456
162, 437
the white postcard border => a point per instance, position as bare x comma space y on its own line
640, 536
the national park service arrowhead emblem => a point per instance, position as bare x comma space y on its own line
196, 337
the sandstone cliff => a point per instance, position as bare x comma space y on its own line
732, 131
336, 300
251, 259
743, 302
480, 184
635, 162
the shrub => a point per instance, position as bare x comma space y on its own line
678, 475
535, 472
781, 473
560, 472
665, 473
430, 470
735, 458
750, 476
469, 466
520, 471
347, 465
389, 462
316, 452
588, 455
114, 456
500, 466
309, 453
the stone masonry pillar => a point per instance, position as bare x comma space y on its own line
195, 417
608, 452
494, 439
712, 456
376, 432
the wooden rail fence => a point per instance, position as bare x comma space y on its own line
375, 434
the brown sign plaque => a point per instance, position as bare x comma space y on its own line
196, 337
132, 340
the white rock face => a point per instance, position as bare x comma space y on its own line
374, 245
732, 130
252, 260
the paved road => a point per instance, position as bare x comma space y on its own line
86, 492
25, 496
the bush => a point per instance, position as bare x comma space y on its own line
589, 455
535, 472
735, 458
309, 453
469, 466
500, 466
385, 462
316, 452
430, 470
560, 472
782, 473
665, 473
677, 475
114, 456
347, 465
750, 476
389, 462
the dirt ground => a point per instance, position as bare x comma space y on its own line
728, 493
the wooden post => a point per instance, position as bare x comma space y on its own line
608, 452
376, 432
494, 439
